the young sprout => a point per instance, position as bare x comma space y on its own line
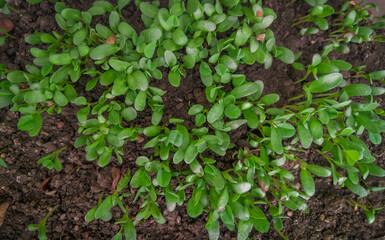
41, 227
369, 211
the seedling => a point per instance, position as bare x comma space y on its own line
6, 8
52, 160
41, 227
369, 211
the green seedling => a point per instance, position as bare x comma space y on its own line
317, 15
52, 161
6, 8
352, 15
41, 227
4, 35
370, 214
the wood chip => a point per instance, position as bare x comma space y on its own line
44, 184
115, 173
3, 210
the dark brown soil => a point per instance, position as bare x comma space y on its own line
77, 188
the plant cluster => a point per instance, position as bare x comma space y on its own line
352, 23
214, 36
41, 227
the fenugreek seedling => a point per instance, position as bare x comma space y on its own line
370, 212
317, 15
52, 161
350, 26
6, 8
41, 227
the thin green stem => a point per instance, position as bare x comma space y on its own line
49, 214
13, 9
299, 22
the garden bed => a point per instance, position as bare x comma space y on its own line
77, 188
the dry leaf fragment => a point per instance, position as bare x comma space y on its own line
260, 37
259, 14
115, 173
110, 40
6, 24
3, 210
44, 184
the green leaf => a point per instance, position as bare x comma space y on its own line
79, 36
189, 61
375, 170
325, 83
140, 101
71, 14
60, 98
163, 178
206, 74
304, 135
358, 89
244, 229
214, 177
276, 141
270, 99
104, 207
356, 188
261, 225
2, 163
204, 26
150, 49
90, 216
319, 171
141, 80
190, 154
105, 157
16, 77
103, 51
148, 9
285, 55
35, 96
104, 31
26, 123
151, 34
285, 130
215, 112
194, 210
118, 65
140, 178
352, 156
129, 229
232, 111
129, 114
241, 188
307, 182
349, 19
151, 131
195, 109
170, 58
245, 90
179, 37
174, 78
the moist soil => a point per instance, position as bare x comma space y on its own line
32, 190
